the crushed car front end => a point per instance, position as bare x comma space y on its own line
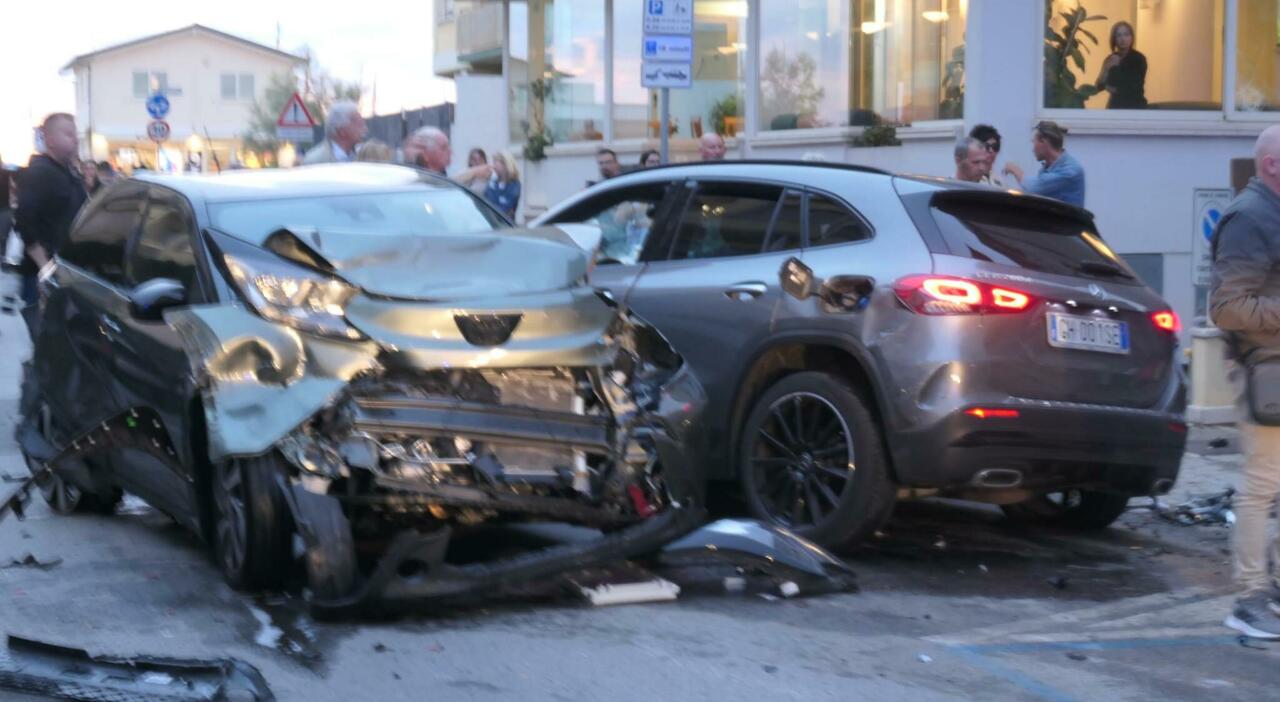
415, 388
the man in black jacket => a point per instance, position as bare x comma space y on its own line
49, 196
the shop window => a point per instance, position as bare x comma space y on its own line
1136, 54
1258, 56
556, 78
715, 103
827, 63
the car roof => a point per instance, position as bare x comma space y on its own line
791, 170
310, 181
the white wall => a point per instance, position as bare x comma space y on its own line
193, 62
477, 118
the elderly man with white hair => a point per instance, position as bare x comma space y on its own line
344, 128
429, 148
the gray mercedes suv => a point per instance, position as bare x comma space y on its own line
864, 336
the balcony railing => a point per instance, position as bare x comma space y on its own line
479, 29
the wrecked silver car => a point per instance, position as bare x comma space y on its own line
344, 366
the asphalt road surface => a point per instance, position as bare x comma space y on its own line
954, 603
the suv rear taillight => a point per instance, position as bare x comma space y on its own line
1167, 320
941, 295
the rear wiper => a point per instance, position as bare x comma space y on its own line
1102, 268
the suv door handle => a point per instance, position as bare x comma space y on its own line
745, 291
109, 324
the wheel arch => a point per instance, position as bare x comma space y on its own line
201, 466
794, 353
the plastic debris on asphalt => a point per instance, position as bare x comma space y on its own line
30, 561
1213, 508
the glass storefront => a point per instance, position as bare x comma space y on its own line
827, 63
1129, 54
850, 63
556, 78
715, 103
1258, 56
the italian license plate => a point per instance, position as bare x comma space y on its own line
1068, 331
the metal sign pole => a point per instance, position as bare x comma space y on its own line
665, 126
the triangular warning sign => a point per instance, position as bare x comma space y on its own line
295, 114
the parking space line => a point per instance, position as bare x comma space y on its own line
981, 656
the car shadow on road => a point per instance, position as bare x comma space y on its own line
943, 546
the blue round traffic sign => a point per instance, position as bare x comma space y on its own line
157, 106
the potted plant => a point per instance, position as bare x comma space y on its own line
1061, 46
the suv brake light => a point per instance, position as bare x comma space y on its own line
939, 295
1167, 320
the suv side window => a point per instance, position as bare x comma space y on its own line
726, 219
625, 217
831, 222
788, 223
163, 247
98, 241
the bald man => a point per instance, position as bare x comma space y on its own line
711, 147
1244, 301
429, 148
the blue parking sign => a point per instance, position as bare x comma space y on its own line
157, 106
655, 7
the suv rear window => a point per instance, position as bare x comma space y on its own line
1029, 238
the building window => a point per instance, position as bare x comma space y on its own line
715, 103
228, 86
827, 63
556, 78
148, 82
1258, 56
236, 86
1121, 54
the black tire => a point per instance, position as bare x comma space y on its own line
1073, 509
826, 427
331, 563
253, 530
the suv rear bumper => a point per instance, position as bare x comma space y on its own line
1047, 446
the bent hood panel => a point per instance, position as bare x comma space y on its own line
452, 266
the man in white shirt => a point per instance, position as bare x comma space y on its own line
344, 128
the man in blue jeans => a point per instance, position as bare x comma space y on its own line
1062, 177
50, 194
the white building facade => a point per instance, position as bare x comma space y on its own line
795, 79
210, 78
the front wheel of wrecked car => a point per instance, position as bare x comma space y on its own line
252, 530
812, 459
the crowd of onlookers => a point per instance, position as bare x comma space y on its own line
493, 177
1061, 177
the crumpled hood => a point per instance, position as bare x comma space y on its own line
448, 266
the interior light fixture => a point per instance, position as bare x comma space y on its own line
935, 16
873, 27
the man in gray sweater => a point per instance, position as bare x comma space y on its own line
1245, 302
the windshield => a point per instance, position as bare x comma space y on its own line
427, 212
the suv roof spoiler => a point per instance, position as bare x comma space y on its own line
767, 162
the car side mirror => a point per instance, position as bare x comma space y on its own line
149, 300
797, 279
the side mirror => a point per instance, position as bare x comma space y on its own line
797, 279
149, 300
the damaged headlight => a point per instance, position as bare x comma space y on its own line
304, 299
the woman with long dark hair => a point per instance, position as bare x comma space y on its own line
1124, 73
